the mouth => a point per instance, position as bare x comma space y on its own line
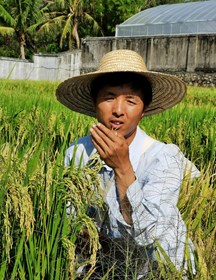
116, 125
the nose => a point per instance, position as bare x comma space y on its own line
118, 107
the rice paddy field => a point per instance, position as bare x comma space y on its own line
38, 240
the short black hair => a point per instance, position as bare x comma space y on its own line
136, 82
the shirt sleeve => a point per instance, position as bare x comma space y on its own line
154, 196
79, 152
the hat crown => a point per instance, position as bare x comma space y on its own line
167, 90
122, 60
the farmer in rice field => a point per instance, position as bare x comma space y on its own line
141, 177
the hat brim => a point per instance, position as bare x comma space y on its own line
167, 91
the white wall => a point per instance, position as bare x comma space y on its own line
44, 67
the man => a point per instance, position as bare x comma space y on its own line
141, 176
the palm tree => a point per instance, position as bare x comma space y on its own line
18, 17
69, 15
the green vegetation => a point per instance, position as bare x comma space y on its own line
18, 19
37, 239
33, 26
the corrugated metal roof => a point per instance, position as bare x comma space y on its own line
182, 13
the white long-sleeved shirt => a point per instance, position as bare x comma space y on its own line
160, 170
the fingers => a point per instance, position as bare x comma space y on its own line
106, 133
103, 136
111, 134
100, 150
111, 146
99, 140
105, 140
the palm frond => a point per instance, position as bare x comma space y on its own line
6, 30
67, 29
96, 26
7, 17
75, 5
61, 3
48, 25
53, 15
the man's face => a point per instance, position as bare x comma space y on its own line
120, 108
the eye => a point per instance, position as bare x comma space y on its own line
131, 102
108, 97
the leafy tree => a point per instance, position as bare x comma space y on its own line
48, 42
153, 3
69, 16
18, 17
39, 25
117, 11
9, 46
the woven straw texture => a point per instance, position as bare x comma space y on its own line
167, 90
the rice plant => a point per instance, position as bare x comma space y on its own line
39, 239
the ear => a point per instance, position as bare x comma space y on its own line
143, 112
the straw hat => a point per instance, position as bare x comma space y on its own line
167, 90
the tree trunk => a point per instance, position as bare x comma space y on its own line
22, 44
75, 33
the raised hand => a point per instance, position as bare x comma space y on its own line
111, 146
114, 150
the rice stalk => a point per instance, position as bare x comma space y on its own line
35, 131
70, 247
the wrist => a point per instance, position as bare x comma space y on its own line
124, 178
125, 170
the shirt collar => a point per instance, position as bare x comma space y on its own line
135, 148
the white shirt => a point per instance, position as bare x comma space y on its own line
160, 170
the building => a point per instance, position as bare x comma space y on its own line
172, 19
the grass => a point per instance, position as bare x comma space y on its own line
37, 239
